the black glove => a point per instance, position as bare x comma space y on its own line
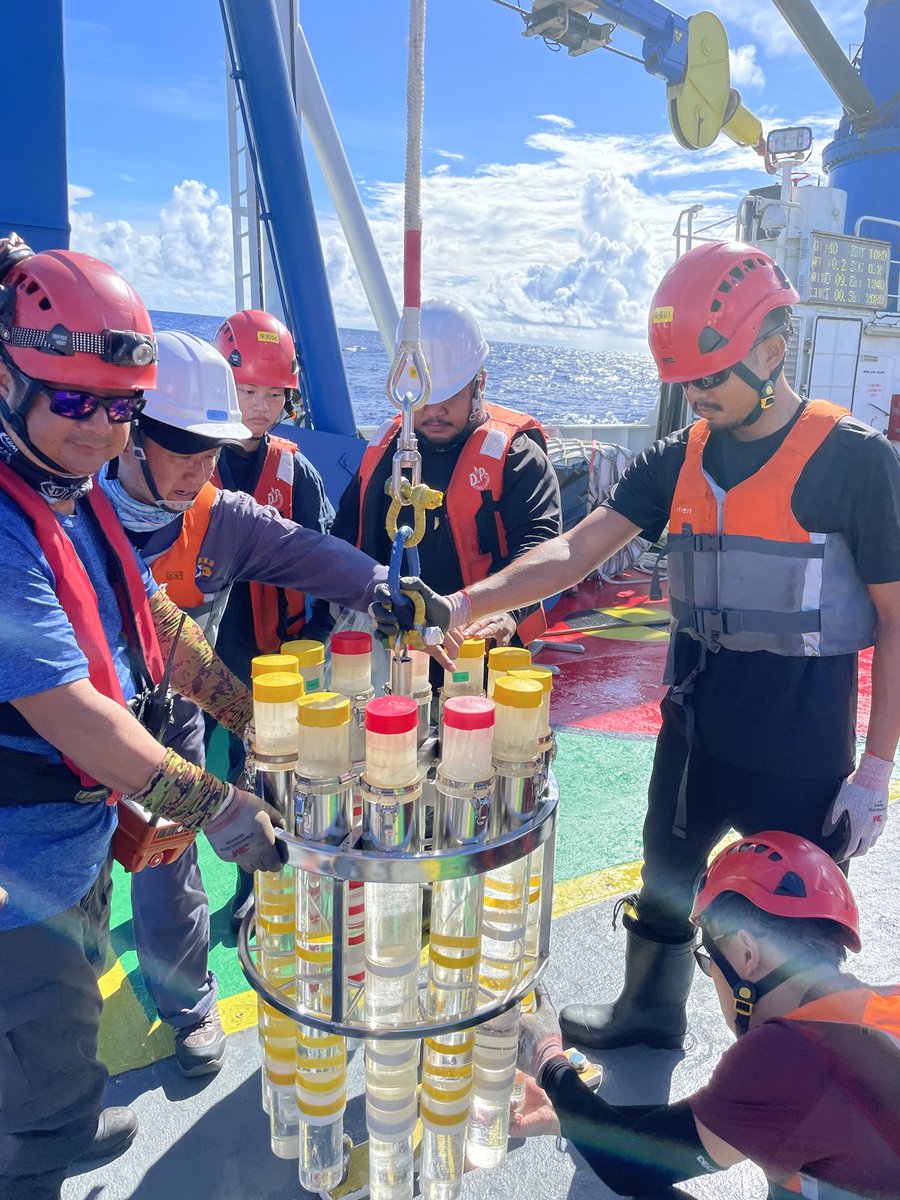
392, 620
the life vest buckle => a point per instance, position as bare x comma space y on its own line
710, 624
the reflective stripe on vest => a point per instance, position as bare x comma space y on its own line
78, 598
472, 498
279, 614
744, 574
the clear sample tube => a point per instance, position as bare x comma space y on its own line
505, 917
275, 696
467, 676
310, 656
324, 814
391, 787
464, 785
262, 664
503, 659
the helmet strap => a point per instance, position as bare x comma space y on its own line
764, 388
746, 993
137, 444
16, 421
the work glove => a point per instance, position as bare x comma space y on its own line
539, 1036
242, 832
862, 800
392, 619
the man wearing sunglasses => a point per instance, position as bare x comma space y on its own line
783, 563
198, 540
86, 631
809, 1090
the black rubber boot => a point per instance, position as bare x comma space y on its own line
651, 1009
116, 1130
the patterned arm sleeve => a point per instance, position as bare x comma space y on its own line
198, 673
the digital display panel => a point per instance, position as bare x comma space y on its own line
848, 270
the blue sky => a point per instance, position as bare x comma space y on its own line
552, 183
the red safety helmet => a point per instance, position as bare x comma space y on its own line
73, 319
709, 308
785, 875
259, 348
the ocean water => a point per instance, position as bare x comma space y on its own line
556, 384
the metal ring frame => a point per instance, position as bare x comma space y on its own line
344, 864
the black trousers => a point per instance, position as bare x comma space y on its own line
51, 1082
719, 797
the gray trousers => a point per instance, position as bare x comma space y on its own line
170, 910
51, 1082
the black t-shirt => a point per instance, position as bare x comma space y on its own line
529, 509
777, 714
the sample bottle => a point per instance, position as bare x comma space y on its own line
324, 814
464, 788
391, 787
515, 746
467, 676
503, 659
310, 656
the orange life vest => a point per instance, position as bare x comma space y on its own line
177, 567
743, 572
279, 614
873, 1086
471, 503
78, 598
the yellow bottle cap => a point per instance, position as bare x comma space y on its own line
472, 648
277, 687
263, 664
518, 693
323, 710
508, 658
307, 652
540, 675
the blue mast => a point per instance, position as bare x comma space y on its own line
34, 195
864, 157
272, 128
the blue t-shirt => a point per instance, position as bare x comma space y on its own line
50, 854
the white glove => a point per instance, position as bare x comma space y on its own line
242, 832
863, 797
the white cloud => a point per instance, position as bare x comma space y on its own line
745, 70
566, 247
78, 193
845, 19
449, 154
184, 262
554, 119
127, 178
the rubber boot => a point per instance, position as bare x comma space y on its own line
651, 1009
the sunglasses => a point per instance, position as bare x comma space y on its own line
706, 383
78, 406
703, 961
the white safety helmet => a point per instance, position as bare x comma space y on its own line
453, 346
195, 390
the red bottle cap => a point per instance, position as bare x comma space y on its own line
469, 712
352, 642
391, 714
